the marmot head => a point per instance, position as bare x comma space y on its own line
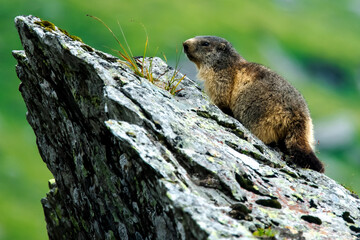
210, 51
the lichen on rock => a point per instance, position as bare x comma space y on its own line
132, 161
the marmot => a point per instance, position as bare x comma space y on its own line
259, 98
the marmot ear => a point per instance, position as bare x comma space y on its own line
222, 46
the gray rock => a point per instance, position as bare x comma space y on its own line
132, 161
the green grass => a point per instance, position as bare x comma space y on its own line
324, 102
261, 232
310, 28
139, 65
22, 183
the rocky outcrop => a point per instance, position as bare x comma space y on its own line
132, 161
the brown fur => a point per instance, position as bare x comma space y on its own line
259, 98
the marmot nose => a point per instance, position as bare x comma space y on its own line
186, 46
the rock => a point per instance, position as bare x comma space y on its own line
132, 161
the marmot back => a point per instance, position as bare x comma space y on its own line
259, 98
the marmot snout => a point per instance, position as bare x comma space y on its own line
259, 98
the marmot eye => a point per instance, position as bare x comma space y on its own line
205, 44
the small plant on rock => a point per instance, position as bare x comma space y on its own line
138, 65
262, 233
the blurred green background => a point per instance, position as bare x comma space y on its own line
315, 44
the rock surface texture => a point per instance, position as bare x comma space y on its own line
132, 161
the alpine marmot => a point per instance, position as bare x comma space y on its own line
259, 98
